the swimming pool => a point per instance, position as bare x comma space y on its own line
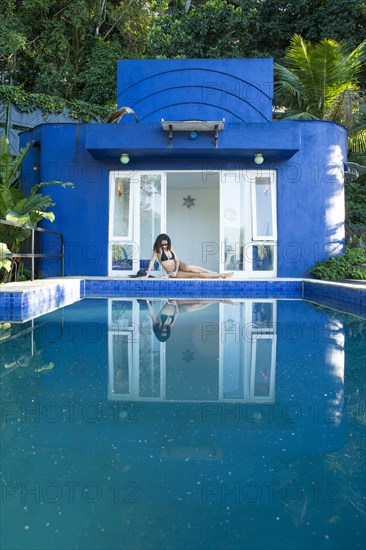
244, 427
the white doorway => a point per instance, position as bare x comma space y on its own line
223, 221
193, 217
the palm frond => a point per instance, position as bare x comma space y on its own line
357, 140
286, 86
322, 82
344, 108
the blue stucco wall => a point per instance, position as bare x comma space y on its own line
310, 189
311, 199
82, 212
239, 90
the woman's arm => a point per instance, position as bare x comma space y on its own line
176, 312
151, 264
151, 311
176, 260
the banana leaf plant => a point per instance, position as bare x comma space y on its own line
16, 207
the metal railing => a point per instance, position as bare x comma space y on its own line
32, 255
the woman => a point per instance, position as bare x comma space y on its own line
167, 316
168, 259
164, 322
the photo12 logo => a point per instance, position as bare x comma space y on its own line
268, 492
69, 492
69, 412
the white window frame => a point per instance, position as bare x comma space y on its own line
272, 175
112, 201
270, 398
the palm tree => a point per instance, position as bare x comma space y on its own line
322, 82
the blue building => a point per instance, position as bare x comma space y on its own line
206, 164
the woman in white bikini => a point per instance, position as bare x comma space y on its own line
167, 256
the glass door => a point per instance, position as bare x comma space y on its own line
136, 217
248, 349
136, 359
248, 222
233, 221
151, 213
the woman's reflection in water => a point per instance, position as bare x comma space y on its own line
167, 316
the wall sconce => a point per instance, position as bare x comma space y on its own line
124, 158
258, 158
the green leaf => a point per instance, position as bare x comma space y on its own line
50, 216
323, 81
64, 184
6, 199
5, 262
12, 216
4, 250
9, 165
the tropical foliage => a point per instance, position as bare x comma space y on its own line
356, 206
27, 102
61, 48
70, 49
350, 265
215, 28
18, 208
323, 82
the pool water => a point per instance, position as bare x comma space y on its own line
242, 426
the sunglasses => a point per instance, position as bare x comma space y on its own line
164, 244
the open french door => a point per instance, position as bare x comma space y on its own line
137, 214
248, 222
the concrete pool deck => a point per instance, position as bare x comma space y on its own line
21, 301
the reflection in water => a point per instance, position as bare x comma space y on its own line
170, 351
241, 430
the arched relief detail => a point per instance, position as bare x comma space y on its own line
204, 108
240, 113
245, 100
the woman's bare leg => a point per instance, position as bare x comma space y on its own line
193, 268
202, 275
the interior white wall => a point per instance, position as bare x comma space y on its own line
190, 228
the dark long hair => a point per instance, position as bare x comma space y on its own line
159, 238
158, 331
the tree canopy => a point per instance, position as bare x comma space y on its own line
70, 49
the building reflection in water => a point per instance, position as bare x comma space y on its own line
205, 350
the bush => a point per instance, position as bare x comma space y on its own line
350, 265
27, 103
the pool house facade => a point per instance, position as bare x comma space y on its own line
205, 163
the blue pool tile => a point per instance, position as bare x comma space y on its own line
166, 288
349, 298
34, 302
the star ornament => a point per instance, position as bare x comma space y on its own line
188, 356
188, 201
